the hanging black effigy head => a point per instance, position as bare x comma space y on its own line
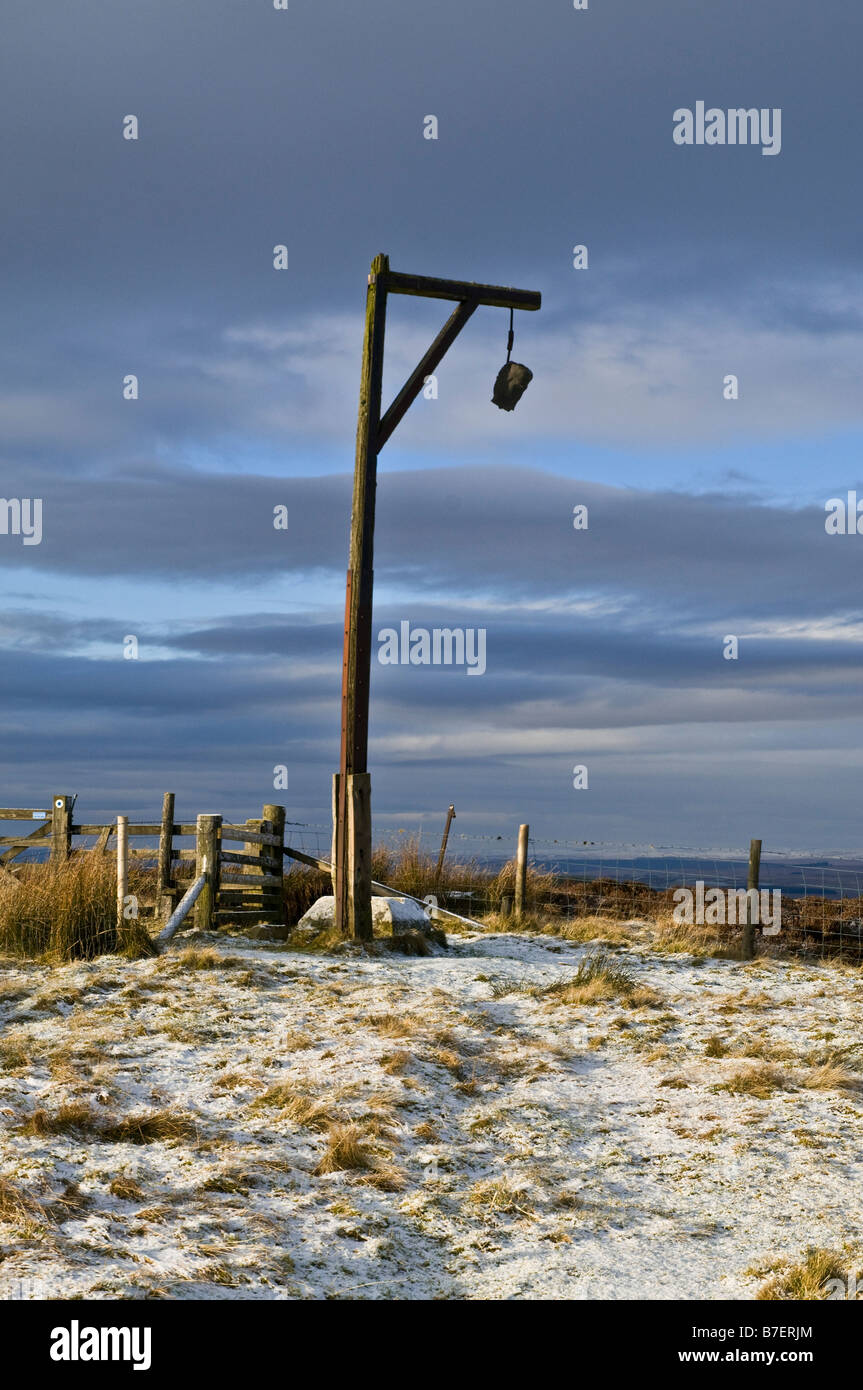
510, 385
513, 379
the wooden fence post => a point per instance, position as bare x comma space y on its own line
165, 883
273, 861
122, 867
358, 868
450, 817
61, 829
251, 847
521, 870
748, 949
335, 831
207, 847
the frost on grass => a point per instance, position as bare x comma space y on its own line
595, 1115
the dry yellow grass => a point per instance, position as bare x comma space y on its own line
78, 1118
600, 977
809, 1280
500, 1197
832, 1076
69, 911
296, 1106
393, 1063
126, 1189
759, 1081
347, 1151
447, 1057
16, 1052
16, 1204
396, 1025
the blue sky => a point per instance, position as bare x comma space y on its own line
305, 127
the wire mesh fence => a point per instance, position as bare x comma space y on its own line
817, 898
820, 895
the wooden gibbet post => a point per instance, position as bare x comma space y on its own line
164, 905
61, 829
353, 888
521, 870
358, 869
273, 861
336, 782
450, 817
122, 867
207, 846
748, 947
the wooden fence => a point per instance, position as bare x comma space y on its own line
243, 882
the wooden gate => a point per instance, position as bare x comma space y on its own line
249, 887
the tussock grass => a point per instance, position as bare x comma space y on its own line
530, 923
500, 1197
296, 1106
16, 1204
126, 1189
765, 1049
593, 929
69, 912
347, 1151
79, 1119
600, 977
832, 1076
501, 988
16, 1052
198, 958
394, 1062
669, 937
808, 1279
396, 1025
447, 1057
758, 1081
231, 1180
12, 991
848, 1056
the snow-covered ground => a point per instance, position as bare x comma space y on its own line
516, 1146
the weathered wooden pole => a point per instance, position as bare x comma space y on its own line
336, 781
352, 857
521, 870
207, 846
748, 948
273, 862
353, 886
122, 867
450, 817
358, 866
61, 829
166, 855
